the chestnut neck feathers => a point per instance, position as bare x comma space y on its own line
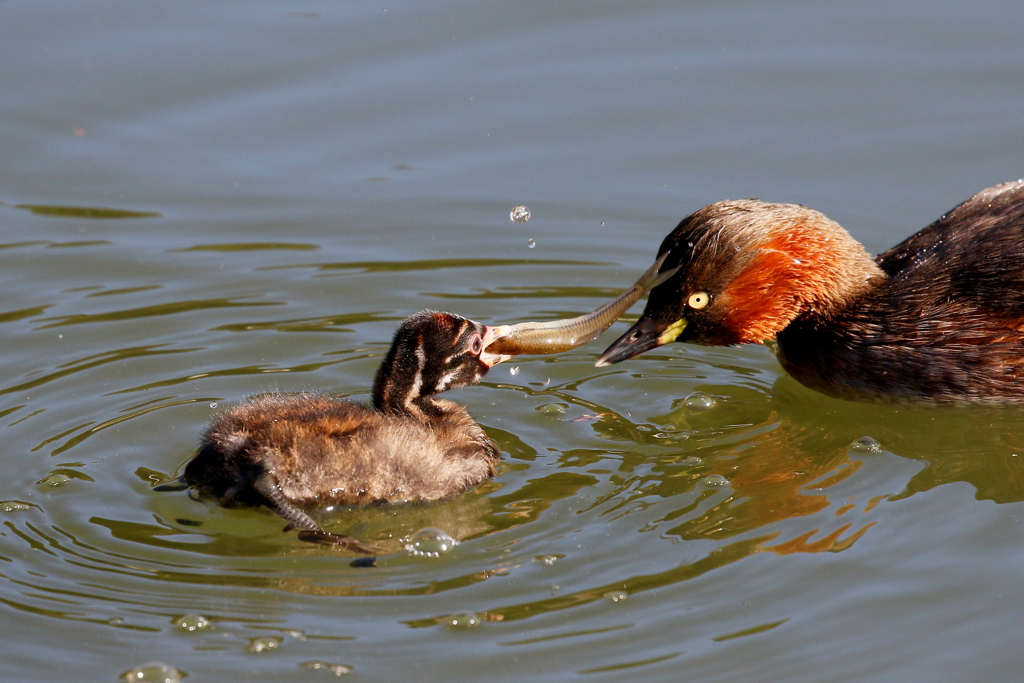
431, 352
763, 265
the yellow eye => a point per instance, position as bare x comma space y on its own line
698, 300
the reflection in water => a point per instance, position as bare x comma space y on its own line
84, 212
632, 585
173, 308
250, 246
436, 264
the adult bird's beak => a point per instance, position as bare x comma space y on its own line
490, 335
645, 335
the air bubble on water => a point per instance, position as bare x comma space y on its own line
548, 560
716, 480
519, 214
552, 409
699, 401
461, 620
55, 480
13, 506
866, 444
264, 644
153, 672
669, 427
530, 244
675, 437
191, 623
296, 634
615, 596
514, 370
692, 461
429, 542
336, 669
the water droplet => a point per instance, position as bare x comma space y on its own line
430, 542
699, 401
192, 622
296, 634
514, 371
264, 644
213, 404
55, 480
13, 506
336, 669
520, 214
153, 672
866, 444
716, 480
530, 244
692, 461
552, 409
616, 596
548, 560
461, 620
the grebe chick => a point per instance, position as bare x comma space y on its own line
937, 318
295, 452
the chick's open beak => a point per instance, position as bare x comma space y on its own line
492, 334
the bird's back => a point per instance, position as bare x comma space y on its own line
946, 323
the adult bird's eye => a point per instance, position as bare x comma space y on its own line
698, 300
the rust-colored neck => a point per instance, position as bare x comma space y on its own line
802, 263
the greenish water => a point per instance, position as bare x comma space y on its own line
219, 199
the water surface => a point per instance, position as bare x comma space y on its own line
209, 200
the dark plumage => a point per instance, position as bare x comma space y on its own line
936, 318
296, 452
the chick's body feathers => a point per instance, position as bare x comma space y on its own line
298, 452
325, 451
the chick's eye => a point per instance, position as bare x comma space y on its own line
476, 347
698, 300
